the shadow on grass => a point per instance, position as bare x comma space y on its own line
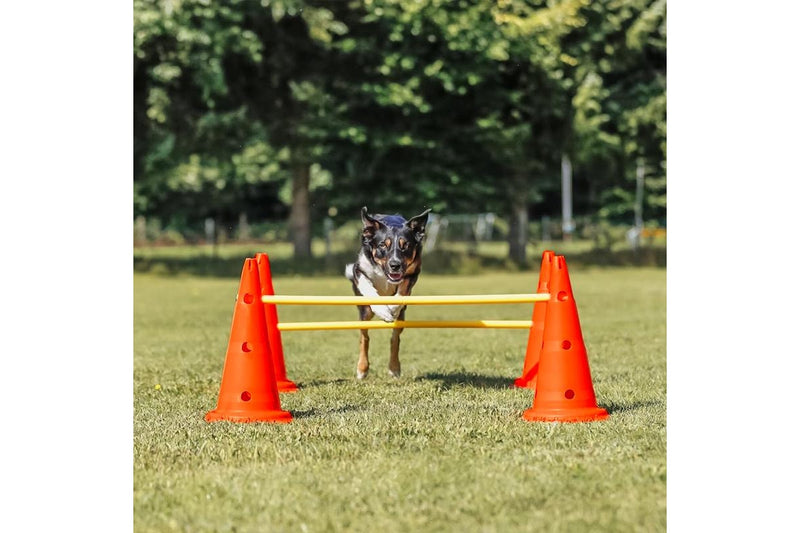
480, 381
321, 382
616, 408
436, 262
467, 379
315, 412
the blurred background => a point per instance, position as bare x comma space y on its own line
270, 123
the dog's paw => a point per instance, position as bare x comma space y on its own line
394, 373
361, 375
387, 313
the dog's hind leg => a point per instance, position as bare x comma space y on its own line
394, 348
365, 313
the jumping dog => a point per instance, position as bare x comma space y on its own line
388, 264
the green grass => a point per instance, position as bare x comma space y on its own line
441, 449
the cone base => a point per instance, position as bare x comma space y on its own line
277, 416
523, 383
287, 386
586, 414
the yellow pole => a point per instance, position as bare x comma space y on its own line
358, 324
408, 300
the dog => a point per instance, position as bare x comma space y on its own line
388, 264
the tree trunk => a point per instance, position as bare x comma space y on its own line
518, 230
300, 215
518, 223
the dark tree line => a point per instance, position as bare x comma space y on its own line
282, 108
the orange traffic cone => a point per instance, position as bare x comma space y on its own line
564, 391
249, 392
273, 333
530, 369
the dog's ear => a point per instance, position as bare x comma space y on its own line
370, 226
365, 218
417, 224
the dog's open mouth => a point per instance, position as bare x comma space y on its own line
394, 277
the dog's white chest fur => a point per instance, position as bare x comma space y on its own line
375, 278
375, 283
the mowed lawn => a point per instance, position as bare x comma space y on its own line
443, 448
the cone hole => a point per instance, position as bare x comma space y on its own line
248, 298
569, 394
566, 345
562, 296
246, 396
246, 347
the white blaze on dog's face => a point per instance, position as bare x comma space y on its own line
393, 244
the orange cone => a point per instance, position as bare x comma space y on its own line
564, 391
530, 369
249, 392
273, 333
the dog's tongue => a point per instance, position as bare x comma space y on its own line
395, 276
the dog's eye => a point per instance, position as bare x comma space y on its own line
382, 245
403, 245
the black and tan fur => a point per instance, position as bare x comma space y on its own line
388, 264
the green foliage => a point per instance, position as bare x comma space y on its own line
459, 106
592, 123
226, 105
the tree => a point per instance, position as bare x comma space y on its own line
184, 134
406, 110
460, 104
227, 103
620, 106
528, 113
284, 107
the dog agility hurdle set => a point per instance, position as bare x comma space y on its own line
556, 366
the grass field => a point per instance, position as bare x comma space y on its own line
441, 449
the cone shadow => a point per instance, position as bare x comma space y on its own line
316, 412
618, 407
468, 379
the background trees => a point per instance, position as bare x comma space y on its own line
281, 109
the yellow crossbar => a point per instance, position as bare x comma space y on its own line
408, 300
358, 324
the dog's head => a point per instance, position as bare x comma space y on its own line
394, 243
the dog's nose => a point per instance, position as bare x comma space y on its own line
395, 265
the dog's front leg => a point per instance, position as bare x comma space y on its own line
394, 348
363, 355
362, 368
387, 312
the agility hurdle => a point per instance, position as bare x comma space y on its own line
406, 300
404, 324
556, 364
